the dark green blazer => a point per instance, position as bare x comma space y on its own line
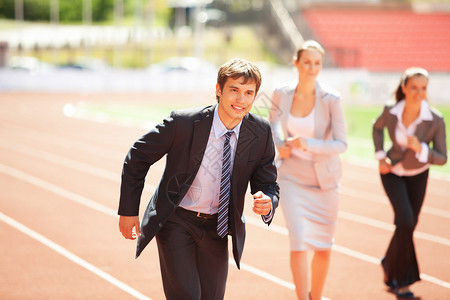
428, 132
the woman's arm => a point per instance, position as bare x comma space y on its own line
438, 153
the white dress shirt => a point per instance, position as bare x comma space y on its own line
203, 195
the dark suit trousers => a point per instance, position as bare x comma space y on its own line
406, 194
193, 258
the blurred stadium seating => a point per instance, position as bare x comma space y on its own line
382, 40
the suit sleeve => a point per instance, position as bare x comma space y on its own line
378, 130
145, 152
274, 119
438, 153
265, 175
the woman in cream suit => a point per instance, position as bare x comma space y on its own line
412, 125
309, 130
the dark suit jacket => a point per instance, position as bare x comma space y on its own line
183, 138
427, 132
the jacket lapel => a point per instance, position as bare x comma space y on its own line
321, 113
202, 129
243, 145
391, 124
285, 109
422, 129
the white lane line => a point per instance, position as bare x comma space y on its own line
389, 227
104, 209
263, 274
435, 280
353, 193
112, 176
115, 177
376, 261
60, 160
66, 162
267, 276
72, 257
347, 251
57, 190
89, 203
63, 142
367, 143
78, 111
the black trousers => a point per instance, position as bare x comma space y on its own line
406, 194
193, 258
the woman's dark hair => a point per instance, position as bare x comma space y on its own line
309, 45
410, 72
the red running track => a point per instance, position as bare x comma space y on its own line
59, 183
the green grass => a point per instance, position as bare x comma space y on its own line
138, 112
359, 120
359, 124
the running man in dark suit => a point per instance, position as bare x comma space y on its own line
184, 211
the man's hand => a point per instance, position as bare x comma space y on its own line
262, 204
126, 225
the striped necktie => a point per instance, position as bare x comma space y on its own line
224, 196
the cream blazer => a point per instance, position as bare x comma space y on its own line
330, 130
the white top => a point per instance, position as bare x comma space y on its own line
302, 127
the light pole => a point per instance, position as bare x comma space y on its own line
54, 11
118, 18
54, 21
87, 22
18, 10
87, 12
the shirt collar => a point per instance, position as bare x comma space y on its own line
425, 111
220, 129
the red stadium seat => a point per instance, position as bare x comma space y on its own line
383, 40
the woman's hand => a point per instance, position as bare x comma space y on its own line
293, 142
297, 142
284, 151
414, 144
385, 166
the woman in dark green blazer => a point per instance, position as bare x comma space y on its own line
417, 132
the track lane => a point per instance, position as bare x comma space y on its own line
361, 278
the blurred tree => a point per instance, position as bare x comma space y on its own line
36, 10
69, 10
7, 9
238, 6
102, 10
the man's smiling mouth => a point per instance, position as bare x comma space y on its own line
237, 107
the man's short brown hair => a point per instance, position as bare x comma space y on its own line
236, 68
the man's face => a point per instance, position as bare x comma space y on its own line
235, 100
